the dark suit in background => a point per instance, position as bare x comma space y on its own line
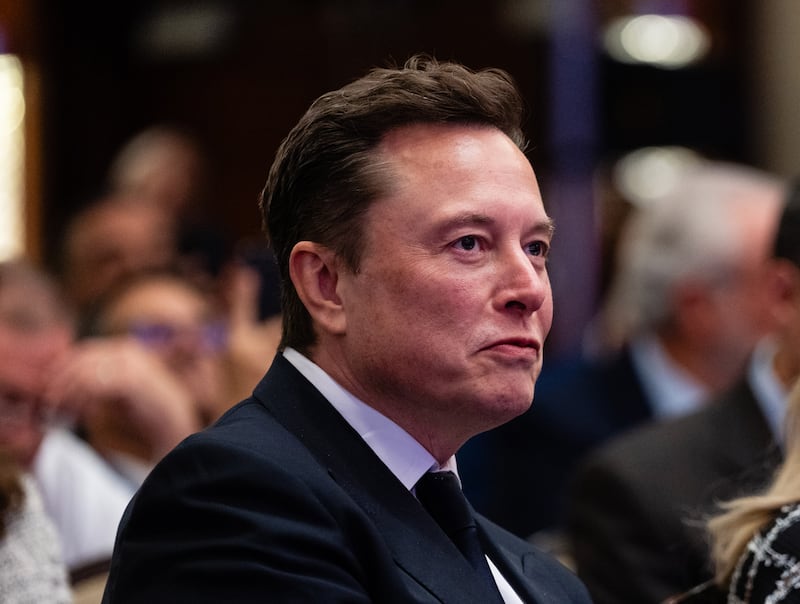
282, 501
637, 506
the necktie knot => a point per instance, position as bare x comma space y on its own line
440, 494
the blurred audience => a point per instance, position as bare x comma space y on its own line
166, 167
112, 237
683, 311
163, 362
163, 165
637, 508
162, 352
82, 495
150, 373
164, 358
31, 567
254, 326
153, 375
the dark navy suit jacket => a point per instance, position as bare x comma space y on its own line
282, 501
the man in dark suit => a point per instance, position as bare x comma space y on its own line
638, 506
411, 239
635, 522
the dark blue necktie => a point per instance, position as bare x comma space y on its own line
440, 494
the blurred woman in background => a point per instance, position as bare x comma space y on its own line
756, 539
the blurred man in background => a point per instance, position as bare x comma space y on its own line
638, 506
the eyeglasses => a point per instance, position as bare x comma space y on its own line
210, 337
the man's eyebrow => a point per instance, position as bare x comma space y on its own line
546, 225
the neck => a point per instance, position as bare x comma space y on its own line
424, 424
707, 368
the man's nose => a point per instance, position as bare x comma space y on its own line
524, 285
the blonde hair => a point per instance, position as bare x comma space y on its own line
742, 518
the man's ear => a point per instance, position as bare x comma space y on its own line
314, 270
784, 287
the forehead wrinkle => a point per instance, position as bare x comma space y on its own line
469, 218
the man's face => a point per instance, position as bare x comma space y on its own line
448, 312
175, 322
119, 239
740, 311
26, 360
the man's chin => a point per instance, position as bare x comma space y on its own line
508, 410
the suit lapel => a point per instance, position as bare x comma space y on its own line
515, 565
417, 543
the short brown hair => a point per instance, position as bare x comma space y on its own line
325, 175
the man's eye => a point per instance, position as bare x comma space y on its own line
467, 242
537, 248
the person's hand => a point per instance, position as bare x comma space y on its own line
251, 343
117, 389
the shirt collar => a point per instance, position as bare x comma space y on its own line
770, 393
670, 390
407, 459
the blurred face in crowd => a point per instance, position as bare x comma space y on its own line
162, 167
738, 315
178, 323
30, 346
442, 325
111, 241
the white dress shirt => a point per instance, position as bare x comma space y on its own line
406, 458
82, 494
770, 393
671, 391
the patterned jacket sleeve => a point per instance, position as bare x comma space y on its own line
769, 570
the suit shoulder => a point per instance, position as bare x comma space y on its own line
653, 439
246, 441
